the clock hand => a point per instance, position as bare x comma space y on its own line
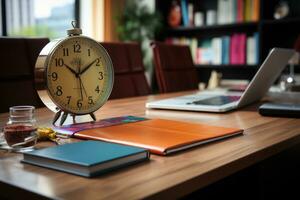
87, 67
79, 79
82, 86
72, 70
80, 89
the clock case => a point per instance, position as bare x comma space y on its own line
42, 86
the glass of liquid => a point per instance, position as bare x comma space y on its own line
20, 130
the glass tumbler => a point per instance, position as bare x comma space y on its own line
20, 130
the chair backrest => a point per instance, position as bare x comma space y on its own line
174, 67
129, 70
18, 57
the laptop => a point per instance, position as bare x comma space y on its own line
222, 101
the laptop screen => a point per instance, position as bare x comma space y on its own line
266, 75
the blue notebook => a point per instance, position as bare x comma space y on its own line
86, 158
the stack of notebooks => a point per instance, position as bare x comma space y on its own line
123, 141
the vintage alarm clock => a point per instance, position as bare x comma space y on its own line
74, 75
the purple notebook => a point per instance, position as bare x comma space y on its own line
73, 128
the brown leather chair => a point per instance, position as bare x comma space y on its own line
18, 57
174, 67
129, 70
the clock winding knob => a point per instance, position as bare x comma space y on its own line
75, 30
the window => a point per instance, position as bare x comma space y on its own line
44, 18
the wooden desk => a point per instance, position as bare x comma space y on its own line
164, 177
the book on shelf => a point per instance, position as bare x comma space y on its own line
252, 49
247, 10
240, 49
160, 136
86, 158
232, 11
204, 52
240, 11
191, 14
184, 11
193, 47
217, 50
233, 59
211, 17
225, 50
237, 49
256, 48
256, 9
220, 12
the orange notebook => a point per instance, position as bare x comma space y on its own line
158, 135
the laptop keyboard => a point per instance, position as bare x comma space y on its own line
216, 101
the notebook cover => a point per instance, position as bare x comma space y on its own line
76, 153
159, 135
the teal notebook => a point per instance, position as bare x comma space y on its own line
86, 158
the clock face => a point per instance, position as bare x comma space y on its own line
79, 75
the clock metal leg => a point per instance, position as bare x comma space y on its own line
73, 117
56, 116
93, 116
63, 118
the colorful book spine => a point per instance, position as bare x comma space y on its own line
235, 10
217, 51
206, 52
242, 48
233, 50
252, 50
247, 10
256, 9
184, 11
240, 11
225, 50
191, 14
193, 47
198, 56
231, 11
256, 38
221, 14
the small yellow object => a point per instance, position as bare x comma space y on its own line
45, 133
52, 135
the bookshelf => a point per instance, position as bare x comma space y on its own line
270, 32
